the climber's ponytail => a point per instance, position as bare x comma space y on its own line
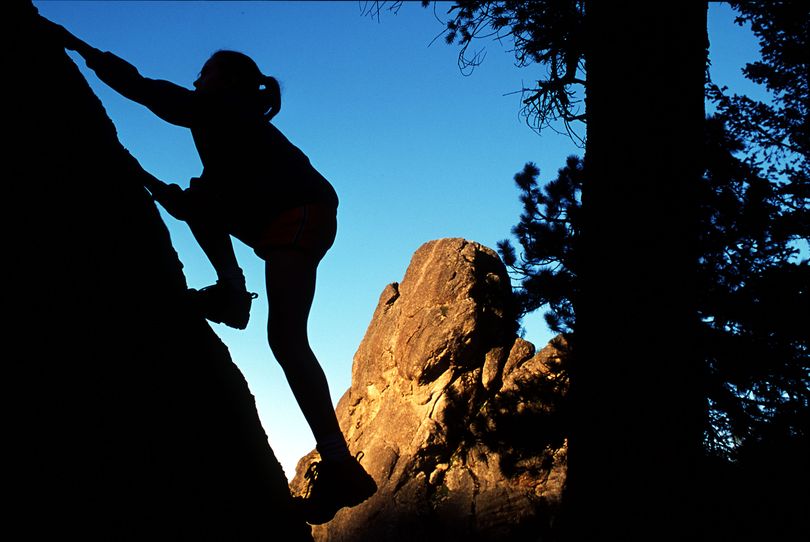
270, 92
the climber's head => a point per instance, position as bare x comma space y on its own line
236, 73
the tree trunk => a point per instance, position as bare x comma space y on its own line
132, 421
638, 410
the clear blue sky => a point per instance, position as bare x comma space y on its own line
416, 150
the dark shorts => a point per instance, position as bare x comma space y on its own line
310, 228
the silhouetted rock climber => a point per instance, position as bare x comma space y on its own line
260, 188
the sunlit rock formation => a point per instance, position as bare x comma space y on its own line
457, 418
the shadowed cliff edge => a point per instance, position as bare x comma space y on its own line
460, 422
132, 422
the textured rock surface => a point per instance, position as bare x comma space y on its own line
131, 420
456, 416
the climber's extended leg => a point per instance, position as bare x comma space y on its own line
340, 480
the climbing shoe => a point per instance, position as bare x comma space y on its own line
334, 485
223, 304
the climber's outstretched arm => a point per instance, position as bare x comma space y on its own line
61, 34
170, 102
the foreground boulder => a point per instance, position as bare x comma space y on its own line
131, 420
457, 418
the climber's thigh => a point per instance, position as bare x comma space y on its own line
290, 276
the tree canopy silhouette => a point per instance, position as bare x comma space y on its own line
637, 239
676, 235
548, 33
776, 134
751, 287
753, 211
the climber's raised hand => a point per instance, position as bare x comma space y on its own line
62, 35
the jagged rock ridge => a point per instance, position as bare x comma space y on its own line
458, 418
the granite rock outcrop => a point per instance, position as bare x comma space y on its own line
457, 418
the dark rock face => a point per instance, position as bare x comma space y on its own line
458, 419
132, 422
